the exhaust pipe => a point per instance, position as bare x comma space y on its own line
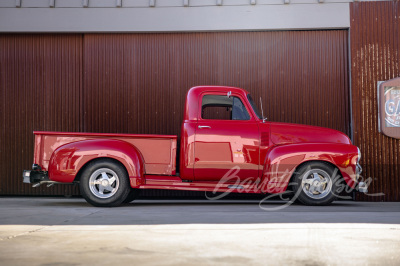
49, 183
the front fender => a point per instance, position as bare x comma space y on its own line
67, 160
281, 161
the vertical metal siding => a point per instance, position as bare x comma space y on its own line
136, 83
375, 46
40, 84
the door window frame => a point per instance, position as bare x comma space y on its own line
245, 103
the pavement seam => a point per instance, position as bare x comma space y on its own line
22, 234
76, 218
41, 228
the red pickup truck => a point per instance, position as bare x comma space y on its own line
225, 146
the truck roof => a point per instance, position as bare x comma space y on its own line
200, 89
192, 98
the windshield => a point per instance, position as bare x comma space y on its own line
254, 106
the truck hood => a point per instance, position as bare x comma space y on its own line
284, 133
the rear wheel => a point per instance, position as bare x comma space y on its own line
316, 183
104, 183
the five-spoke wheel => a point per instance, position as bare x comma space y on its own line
315, 183
104, 183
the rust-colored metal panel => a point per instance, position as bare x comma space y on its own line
136, 83
375, 46
40, 87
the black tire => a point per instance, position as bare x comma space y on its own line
316, 184
133, 194
104, 183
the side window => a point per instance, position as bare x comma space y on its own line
221, 107
239, 112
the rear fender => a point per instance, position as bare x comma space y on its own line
67, 160
281, 161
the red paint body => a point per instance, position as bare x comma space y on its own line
215, 155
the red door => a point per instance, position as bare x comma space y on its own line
226, 141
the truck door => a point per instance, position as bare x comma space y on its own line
227, 136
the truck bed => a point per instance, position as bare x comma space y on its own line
158, 151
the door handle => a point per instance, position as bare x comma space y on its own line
204, 127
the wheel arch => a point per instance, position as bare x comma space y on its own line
282, 161
68, 161
315, 161
83, 168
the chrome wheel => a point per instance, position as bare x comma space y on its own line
104, 183
316, 184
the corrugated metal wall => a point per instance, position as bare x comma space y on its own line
375, 56
142, 79
136, 83
40, 87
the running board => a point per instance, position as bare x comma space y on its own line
175, 183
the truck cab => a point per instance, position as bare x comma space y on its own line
221, 130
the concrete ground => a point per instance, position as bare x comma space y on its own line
62, 231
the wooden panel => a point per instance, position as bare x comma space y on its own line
375, 45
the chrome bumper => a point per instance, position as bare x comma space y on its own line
33, 176
36, 178
361, 186
26, 176
358, 170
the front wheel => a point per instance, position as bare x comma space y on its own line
316, 183
104, 183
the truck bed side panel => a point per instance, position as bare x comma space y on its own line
158, 151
